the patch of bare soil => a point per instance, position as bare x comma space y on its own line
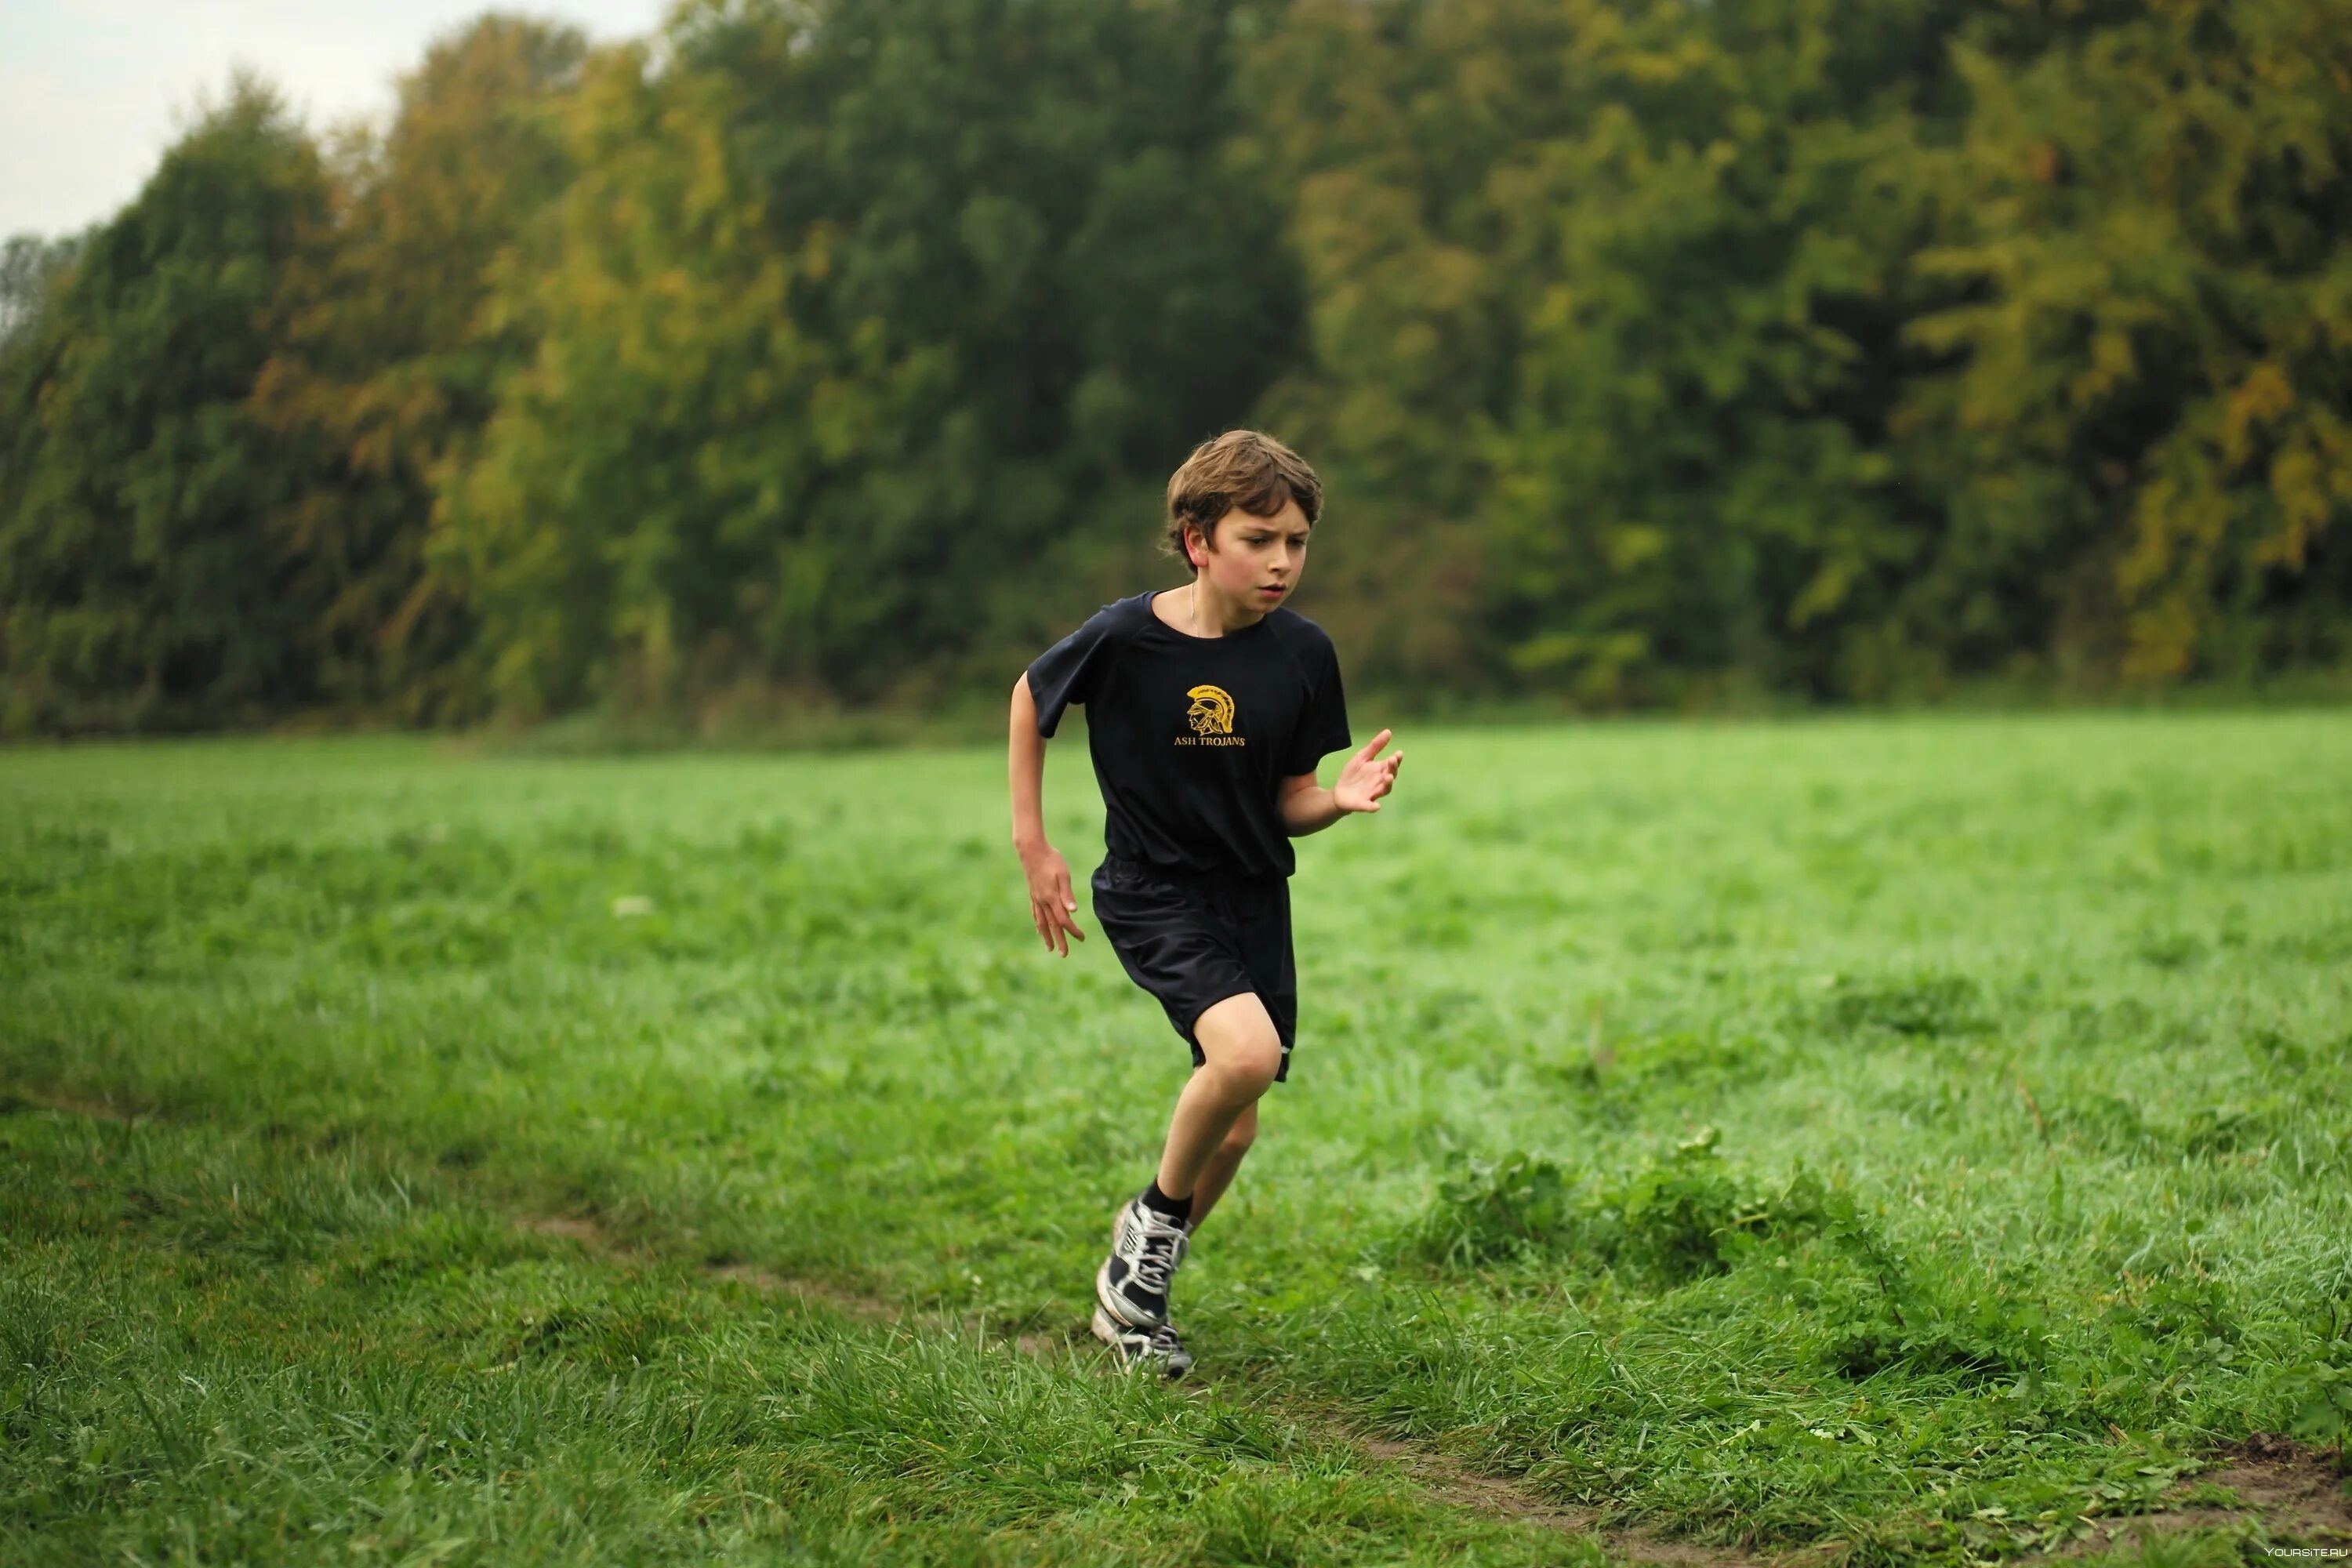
848, 1303
1449, 1481
1044, 1344
2291, 1490
70, 1105
592, 1237
1444, 1478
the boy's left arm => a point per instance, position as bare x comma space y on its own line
1308, 807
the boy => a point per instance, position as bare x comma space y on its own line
1208, 707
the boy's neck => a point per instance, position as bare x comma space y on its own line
1198, 608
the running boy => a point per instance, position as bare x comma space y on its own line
1208, 707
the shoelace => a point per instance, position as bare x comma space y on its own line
1164, 1340
1157, 1259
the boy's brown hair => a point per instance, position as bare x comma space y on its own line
1239, 468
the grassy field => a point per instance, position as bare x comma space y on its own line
1877, 1141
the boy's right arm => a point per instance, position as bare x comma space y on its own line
1051, 904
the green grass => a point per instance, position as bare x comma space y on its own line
1902, 1138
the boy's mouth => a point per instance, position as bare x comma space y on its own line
1272, 590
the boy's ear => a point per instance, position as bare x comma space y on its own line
1192, 534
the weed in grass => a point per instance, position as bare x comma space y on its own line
1668, 1219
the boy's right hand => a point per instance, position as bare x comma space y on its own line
1050, 903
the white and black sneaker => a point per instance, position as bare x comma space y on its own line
1146, 1246
1156, 1350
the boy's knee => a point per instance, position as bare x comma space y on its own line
1239, 1043
1245, 1058
1248, 1068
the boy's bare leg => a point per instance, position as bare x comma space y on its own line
1218, 1174
1243, 1054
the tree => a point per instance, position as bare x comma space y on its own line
389, 359
2149, 437
867, 322
1405, 133
139, 586
30, 271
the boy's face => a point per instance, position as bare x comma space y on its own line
1251, 560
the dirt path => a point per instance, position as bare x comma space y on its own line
70, 1105
1450, 1481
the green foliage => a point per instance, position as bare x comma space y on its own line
30, 271
1672, 1218
1928, 1005
1405, 135
2147, 414
1918, 1315
1842, 349
2322, 1393
388, 360
860, 315
137, 584
816, 355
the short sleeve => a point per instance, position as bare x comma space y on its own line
1323, 726
1072, 670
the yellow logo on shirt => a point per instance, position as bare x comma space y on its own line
1212, 712
1211, 718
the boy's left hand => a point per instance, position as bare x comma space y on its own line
1367, 776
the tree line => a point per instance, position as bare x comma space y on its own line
835, 353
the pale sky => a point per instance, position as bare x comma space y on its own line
92, 91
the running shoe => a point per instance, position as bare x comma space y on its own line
1157, 1349
1146, 1246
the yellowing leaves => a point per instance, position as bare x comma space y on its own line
2262, 395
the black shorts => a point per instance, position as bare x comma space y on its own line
1192, 942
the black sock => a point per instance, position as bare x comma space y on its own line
1178, 1209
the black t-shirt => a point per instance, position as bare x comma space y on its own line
1191, 737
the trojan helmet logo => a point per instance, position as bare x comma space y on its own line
1212, 712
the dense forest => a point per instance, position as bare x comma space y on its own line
826, 354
